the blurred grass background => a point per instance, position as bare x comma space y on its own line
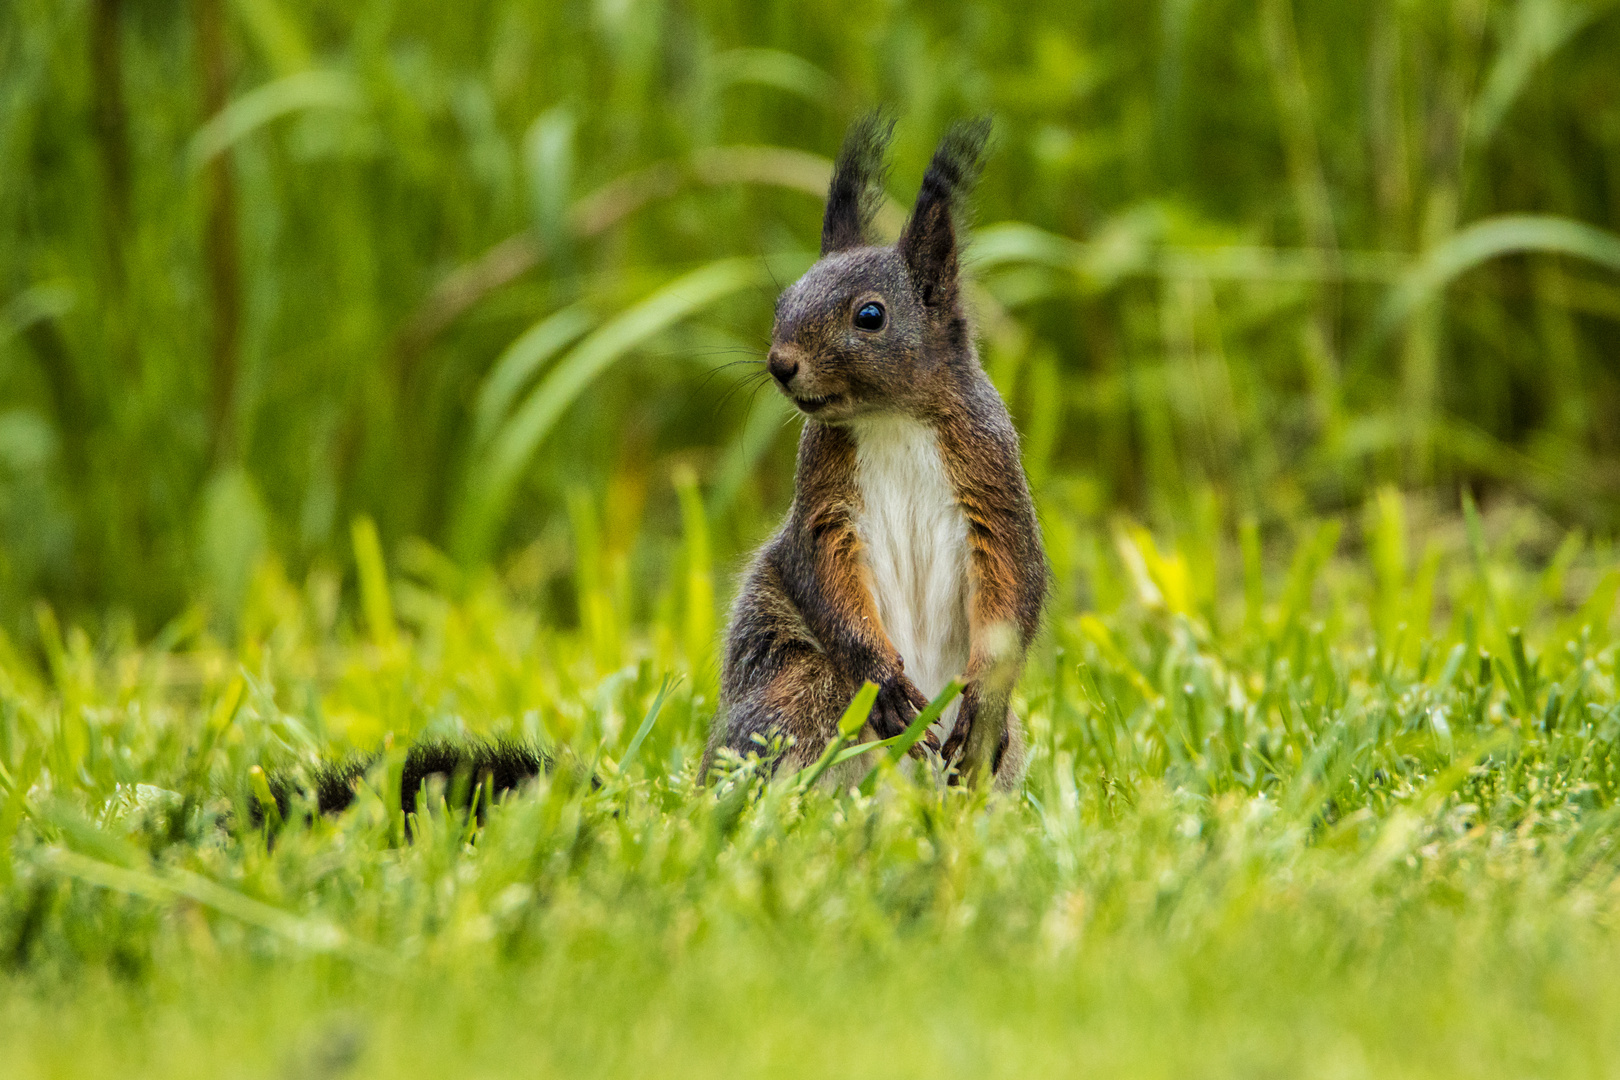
475, 271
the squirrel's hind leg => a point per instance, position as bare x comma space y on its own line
800, 695
1012, 759
1008, 754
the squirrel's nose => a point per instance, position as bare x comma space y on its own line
783, 368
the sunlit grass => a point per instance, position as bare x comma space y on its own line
1270, 824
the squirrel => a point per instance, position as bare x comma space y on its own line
911, 554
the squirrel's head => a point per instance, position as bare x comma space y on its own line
873, 329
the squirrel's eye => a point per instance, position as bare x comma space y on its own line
869, 317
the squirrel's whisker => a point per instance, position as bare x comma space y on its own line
756, 379
718, 369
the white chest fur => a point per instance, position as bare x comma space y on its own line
914, 537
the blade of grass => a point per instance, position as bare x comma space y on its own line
778, 69
168, 885
900, 745
670, 682
374, 597
495, 476
1479, 243
264, 104
849, 726
265, 798
518, 364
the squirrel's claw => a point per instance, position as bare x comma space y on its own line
966, 714
918, 699
895, 707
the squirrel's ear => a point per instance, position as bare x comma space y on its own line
857, 184
929, 242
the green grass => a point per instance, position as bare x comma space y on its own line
1270, 827
268, 265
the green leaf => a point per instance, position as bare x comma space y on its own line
33, 305
920, 724
849, 726
778, 69
374, 598
860, 707
548, 150
900, 745
264, 104
265, 798
1540, 28
647, 723
165, 886
1479, 243
518, 364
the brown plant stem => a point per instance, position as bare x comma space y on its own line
112, 128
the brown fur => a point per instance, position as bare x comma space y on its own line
805, 630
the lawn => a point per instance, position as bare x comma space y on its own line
1268, 828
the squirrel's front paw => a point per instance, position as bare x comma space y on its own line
898, 702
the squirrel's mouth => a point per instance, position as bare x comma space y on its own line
813, 404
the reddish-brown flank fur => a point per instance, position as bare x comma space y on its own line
805, 630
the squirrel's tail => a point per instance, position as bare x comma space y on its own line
487, 768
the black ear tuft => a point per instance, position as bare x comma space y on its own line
857, 184
928, 243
